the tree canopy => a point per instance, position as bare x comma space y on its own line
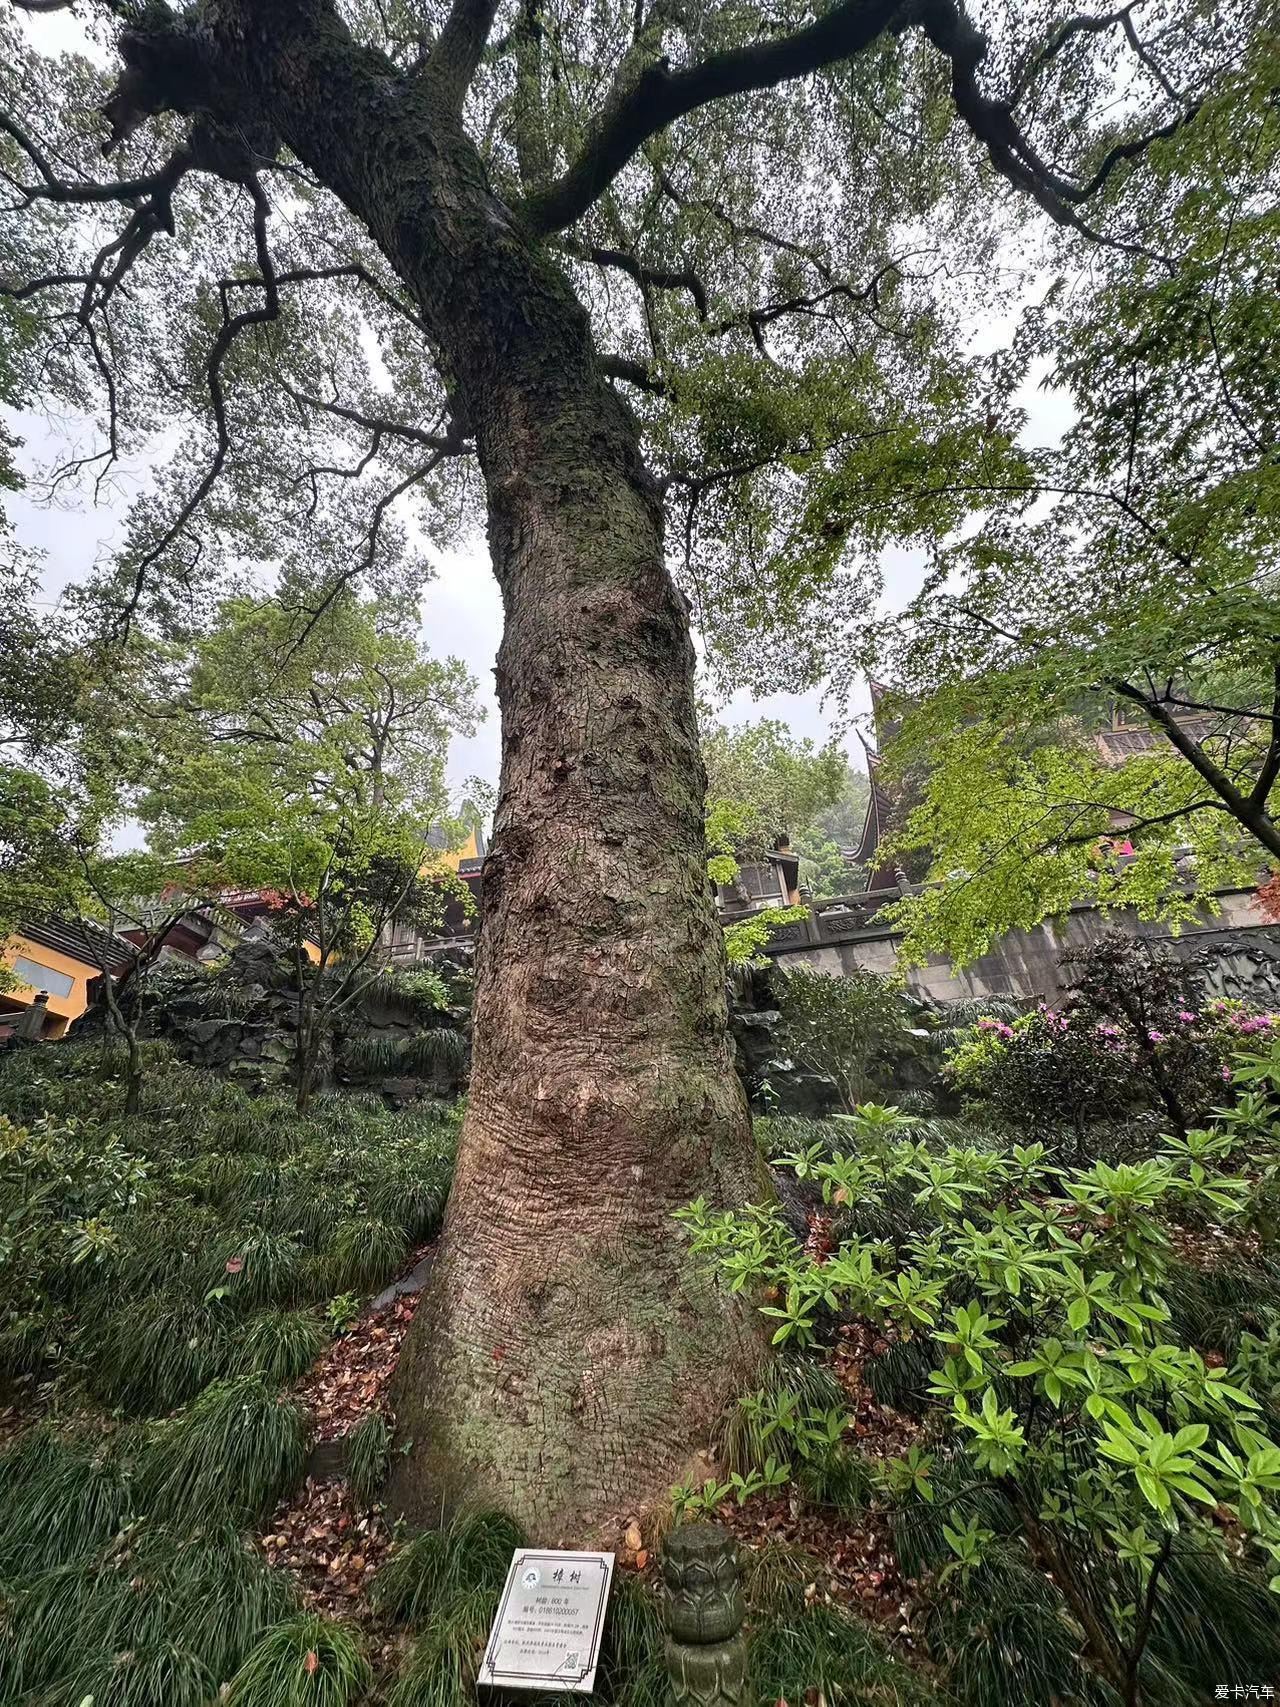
1131, 568
793, 343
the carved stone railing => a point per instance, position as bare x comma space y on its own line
840, 918
845, 916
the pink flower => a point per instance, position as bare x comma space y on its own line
1109, 1030
1226, 1073
1186, 1016
1156, 1036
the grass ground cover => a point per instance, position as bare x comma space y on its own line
183, 1312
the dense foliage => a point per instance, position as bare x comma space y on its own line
143, 1261
1126, 573
762, 784
162, 1280
844, 1027
1099, 1409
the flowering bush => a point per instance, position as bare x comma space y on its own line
1131, 1039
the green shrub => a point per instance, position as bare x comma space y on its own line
633, 1670
232, 1453
134, 1267
445, 1583
1079, 1449
254, 1267
845, 1027
413, 1195
63, 1498
419, 1054
774, 1577
416, 989
1129, 1051
369, 1457
751, 1432
279, 1346
308, 1662
157, 1351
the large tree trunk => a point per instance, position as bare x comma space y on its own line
568, 1359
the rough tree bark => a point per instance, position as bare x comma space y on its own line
567, 1361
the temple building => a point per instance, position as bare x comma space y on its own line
57, 962
55, 965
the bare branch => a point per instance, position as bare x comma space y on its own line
451, 443
227, 335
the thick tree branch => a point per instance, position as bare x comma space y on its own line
1247, 811
454, 59
656, 97
1136, 825
633, 373
1270, 767
992, 122
646, 101
659, 278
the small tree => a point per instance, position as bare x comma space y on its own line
306, 763
763, 782
842, 1026
345, 881
144, 897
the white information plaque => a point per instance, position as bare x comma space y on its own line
550, 1618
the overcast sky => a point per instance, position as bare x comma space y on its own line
462, 611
